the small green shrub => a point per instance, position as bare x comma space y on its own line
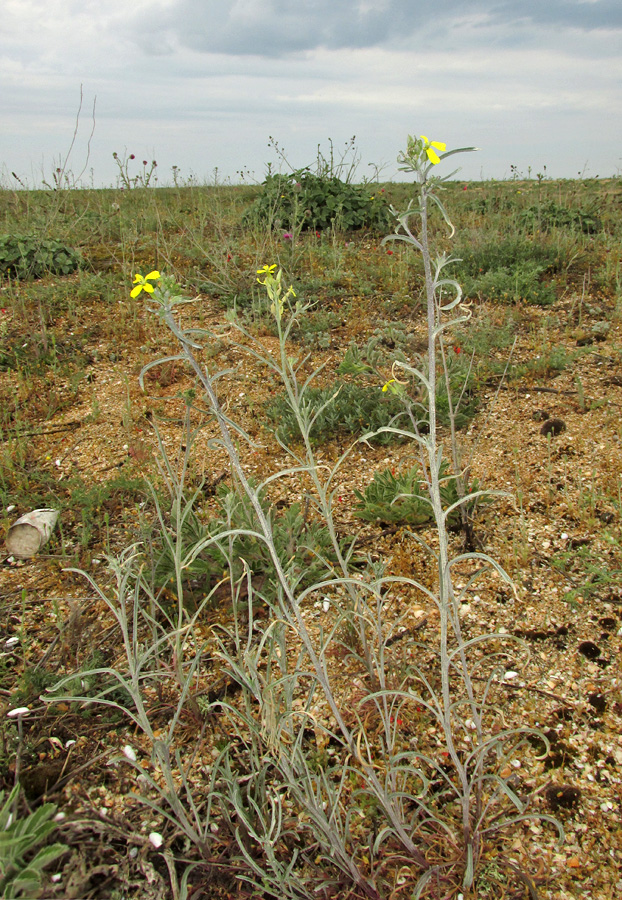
522, 282
303, 545
388, 343
349, 409
555, 360
476, 259
314, 330
27, 256
403, 499
303, 200
484, 336
344, 408
549, 215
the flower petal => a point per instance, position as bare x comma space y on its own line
439, 146
432, 156
136, 291
155, 274
149, 288
138, 279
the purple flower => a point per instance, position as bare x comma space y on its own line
287, 236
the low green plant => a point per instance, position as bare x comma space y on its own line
387, 343
550, 362
589, 574
23, 851
404, 499
338, 410
486, 334
26, 256
549, 214
314, 330
521, 283
304, 543
480, 256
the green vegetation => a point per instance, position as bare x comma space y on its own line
239, 625
402, 499
24, 848
27, 256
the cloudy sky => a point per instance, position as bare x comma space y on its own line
203, 84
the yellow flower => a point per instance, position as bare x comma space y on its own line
429, 149
265, 271
387, 385
142, 284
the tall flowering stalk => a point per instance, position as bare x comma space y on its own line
459, 711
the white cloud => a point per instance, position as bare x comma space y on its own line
200, 84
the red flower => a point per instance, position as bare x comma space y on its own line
389, 252
132, 156
457, 350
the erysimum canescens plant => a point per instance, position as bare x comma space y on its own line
272, 283
142, 284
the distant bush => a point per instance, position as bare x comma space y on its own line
478, 258
27, 256
303, 200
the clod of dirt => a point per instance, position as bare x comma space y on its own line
562, 796
598, 702
583, 338
589, 649
553, 427
540, 415
605, 516
39, 779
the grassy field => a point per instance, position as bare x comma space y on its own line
195, 664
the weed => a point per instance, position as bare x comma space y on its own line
302, 543
143, 178
522, 283
549, 215
303, 200
27, 256
404, 499
338, 410
24, 849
